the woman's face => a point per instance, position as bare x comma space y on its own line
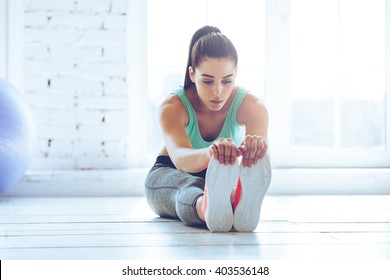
214, 79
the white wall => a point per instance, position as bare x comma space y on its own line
74, 77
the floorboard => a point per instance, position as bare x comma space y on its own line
291, 227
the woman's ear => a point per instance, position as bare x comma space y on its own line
191, 71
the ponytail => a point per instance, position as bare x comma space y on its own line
197, 35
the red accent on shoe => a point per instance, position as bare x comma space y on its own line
204, 202
237, 194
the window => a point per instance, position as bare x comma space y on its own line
320, 66
330, 103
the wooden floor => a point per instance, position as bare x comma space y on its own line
294, 227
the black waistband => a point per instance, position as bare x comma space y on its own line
166, 160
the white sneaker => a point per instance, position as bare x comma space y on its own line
220, 181
255, 181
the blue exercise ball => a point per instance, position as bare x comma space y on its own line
17, 136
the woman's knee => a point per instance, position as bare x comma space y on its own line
160, 201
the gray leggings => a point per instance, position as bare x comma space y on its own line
172, 193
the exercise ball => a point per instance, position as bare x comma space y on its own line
17, 136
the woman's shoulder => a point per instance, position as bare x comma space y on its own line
251, 106
172, 101
172, 107
177, 96
248, 98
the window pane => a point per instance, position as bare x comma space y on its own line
362, 74
360, 131
309, 114
338, 69
170, 27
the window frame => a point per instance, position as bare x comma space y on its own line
3, 38
137, 83
11, 41
277, 92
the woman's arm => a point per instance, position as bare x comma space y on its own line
254, 115
173, 119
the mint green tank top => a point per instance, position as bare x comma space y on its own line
231, 128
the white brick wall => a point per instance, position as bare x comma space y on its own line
75, 80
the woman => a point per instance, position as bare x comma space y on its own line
202, 128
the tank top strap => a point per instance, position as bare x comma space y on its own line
185, 100
235, 106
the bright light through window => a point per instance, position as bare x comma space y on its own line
338, 74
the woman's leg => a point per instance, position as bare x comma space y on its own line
172, 193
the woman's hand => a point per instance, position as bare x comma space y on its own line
253, 149
225, 151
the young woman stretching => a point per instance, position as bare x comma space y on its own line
207, 125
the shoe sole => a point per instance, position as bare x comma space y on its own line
220, 182
255, 181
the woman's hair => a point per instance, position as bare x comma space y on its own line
209, 42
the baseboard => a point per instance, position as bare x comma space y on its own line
331, 181
81, 183
131, 182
